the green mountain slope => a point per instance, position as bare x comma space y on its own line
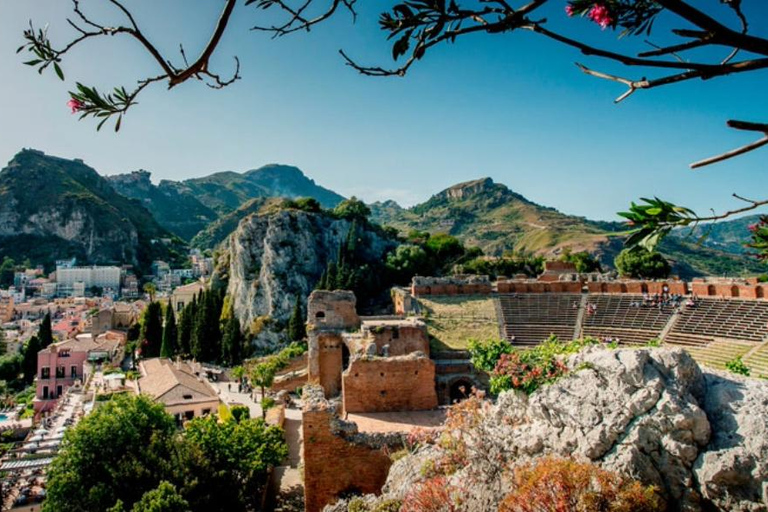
729, 236
496, 219
491, 216
187, 207
172, 205
217, 231
52, 208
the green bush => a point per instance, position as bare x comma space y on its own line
738, 367
485, 354
642, 264
528, 370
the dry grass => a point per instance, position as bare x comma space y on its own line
453, 321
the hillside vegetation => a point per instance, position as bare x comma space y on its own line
52, 208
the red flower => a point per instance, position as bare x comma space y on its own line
600, 15
76, 105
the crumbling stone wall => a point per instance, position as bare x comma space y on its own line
325, 360
453, 285
531, 286
384, 384
402, 337
332, 310
337, 459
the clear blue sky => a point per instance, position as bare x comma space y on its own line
512, 107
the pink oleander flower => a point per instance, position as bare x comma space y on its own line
569, 10
600, 15
75, 105
753, 227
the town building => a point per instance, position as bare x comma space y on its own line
64, 364
74, 281
183, 295
6, 309
174, 384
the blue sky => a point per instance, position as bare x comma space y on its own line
512, 107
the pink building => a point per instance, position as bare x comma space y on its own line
63, 364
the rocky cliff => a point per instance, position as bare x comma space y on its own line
174, 207
274, 256
700, 438
54, 208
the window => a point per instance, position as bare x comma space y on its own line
395, 333
179, 306
73, 371
320, 315
187, 397
61, 372
45, 373
45, 392
206, 412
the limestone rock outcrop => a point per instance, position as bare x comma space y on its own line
273, 257
651, 414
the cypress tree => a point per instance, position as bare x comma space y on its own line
151, 334
232, 342
296, 328
170, 334
197, 337
322, 284
45, 333
186, 321
351, 245
29, 365
331, 276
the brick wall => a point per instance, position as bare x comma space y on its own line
333, 465
405, 383
325, 361
402, 339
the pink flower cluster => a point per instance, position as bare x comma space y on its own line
75, 105
753, 227
598, 13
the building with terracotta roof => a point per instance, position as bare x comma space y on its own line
184, 394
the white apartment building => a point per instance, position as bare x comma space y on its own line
74, 280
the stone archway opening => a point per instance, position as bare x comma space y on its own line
460, 389
344, 357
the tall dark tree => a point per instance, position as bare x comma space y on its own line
296, 329
205, 341
29, 366
7, 269
170, 334
186, 323
232, 342
45, 333
151, 334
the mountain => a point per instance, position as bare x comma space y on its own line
172, 205
52, 208
729, 236
187, 207
278, 254
491, 216
217, 231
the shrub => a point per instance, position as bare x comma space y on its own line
564, 485
528, 370
433, 495
485, 354
738, 367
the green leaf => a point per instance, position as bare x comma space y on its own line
117, 124
34, 62
653, 211
58, 70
